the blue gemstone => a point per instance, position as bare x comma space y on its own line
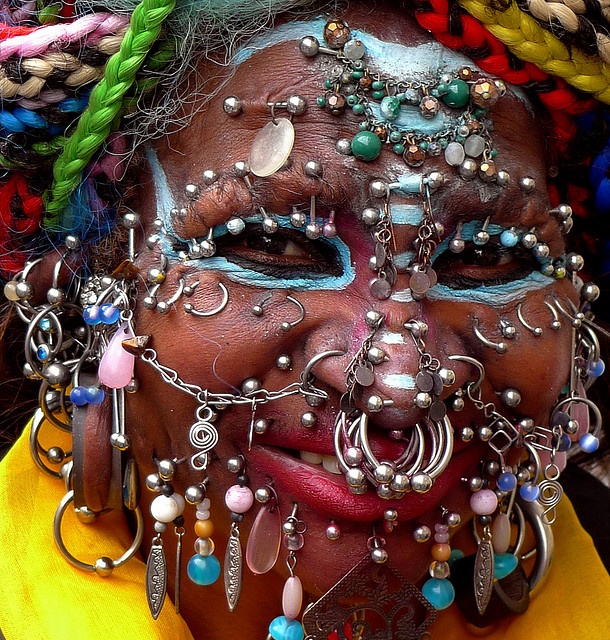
94, 395
509, 238
283, 629
78, 396
43, 352
45, 324
507, 481
529, 492
504, 564
91, 315
109, 314
565, 442
203, 570
439, 593
588, 443
596, 368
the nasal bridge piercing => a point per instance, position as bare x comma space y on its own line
500, 347
188, 307
537, 331
287, 326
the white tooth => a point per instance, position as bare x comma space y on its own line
312, 458
331, 464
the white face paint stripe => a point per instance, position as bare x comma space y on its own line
399, 381
391, 338
402, 296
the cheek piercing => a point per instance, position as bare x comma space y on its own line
499, 347
164, 306
284, 363
287, 326
537, 331
508, 330
556, 324
188, 307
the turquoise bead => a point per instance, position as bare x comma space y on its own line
321, 101
283, 629
357, 75
358, 109
399, 148
509, 238
390, 107
377, 85
439, 593
366, 146
203, 570
395, 136
457, 95
456, 554
504, 564
378, 95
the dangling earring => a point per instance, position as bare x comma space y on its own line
264, 541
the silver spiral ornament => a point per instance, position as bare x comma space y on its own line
203, 436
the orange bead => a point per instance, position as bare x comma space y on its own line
441, 552
204, 528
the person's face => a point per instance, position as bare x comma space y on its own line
332, 282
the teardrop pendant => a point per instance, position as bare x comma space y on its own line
263, 545
271, 147
116, 365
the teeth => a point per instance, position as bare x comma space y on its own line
312, 458
330, 463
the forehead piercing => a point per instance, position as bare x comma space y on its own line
313, 169
527, 184
232, 106
481, 237
510, 397
287, 326
536, 331
556, 323
499, 347
284, 363
188, 307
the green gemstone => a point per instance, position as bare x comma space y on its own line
378, 95
366, 146
398, 149
395, 136
358, 109
321, 101
390, 107
457, 95
357, 75
494, 153
377, 85
423, 145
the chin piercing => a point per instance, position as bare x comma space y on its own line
499, 347
188, 307
556, 323
232, 106
537, 331
333, 532
287, 326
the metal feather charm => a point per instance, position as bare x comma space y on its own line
156, 578
484, 571
233, 568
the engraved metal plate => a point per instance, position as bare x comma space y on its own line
156, 580
233, 569
483, 574
372, 601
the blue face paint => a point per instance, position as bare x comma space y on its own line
410, 214
399, 381
403, 260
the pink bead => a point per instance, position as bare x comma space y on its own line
294, 542
441, 528
239, 499
484, 502
441, 538
292, 597
116, 365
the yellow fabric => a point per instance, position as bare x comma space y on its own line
44, 598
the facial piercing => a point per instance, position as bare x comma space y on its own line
163, 307
537, 331
313, 229
333, 532
457, 243
481, 237
209, 176
287, 326
309, 391
576, 320
232, 106
188, 307
150, 301
556, 324
312, 169
295, 105
283, 363
527, 184
508, 330
499, 347
510, 397
297, 217
204, 249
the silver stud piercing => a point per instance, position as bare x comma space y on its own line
313, 169
164, 306
536, 331
527, 184
309, 419
556, 324
283, 363
481, 237
232, 106
295, 105
258, 309
287, 326
209, 177
575, 320
188, 307
499, 347
508, 329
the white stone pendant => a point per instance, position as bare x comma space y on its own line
271, 147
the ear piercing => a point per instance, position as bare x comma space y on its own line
499, 347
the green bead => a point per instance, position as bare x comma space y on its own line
363, 126
378, 95
442, 88
494, 153
457, 95
351, 100
480, 113
328, 84
390, 107
377, 85
423, 145
395, 136
358, 109
357, 75
366, 146
399, 149
321, 102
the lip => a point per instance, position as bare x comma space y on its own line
326, 493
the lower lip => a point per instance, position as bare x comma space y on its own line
328, 493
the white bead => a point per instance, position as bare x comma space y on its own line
204, 505
292, 597
203, 515
167, 508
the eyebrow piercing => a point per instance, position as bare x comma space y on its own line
287, 326
556, 324
500, 347
204, 249
537, 331
457, 243
313, 230
188, 307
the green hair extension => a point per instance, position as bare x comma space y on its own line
106, 105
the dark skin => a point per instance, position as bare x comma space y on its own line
220, 352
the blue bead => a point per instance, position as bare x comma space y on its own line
94, 395
109, 314
43, 351
507, 481
588, 443
78, 396
91, 315
283, 629
456, 554
529, 492
565, 442
203, 570
509, 238
596, 368
439, 593
504, 564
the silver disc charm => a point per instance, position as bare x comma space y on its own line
437, 411
271, 147
380, 288
364, 376
419, 283
424, 381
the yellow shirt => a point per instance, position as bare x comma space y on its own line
45, 598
